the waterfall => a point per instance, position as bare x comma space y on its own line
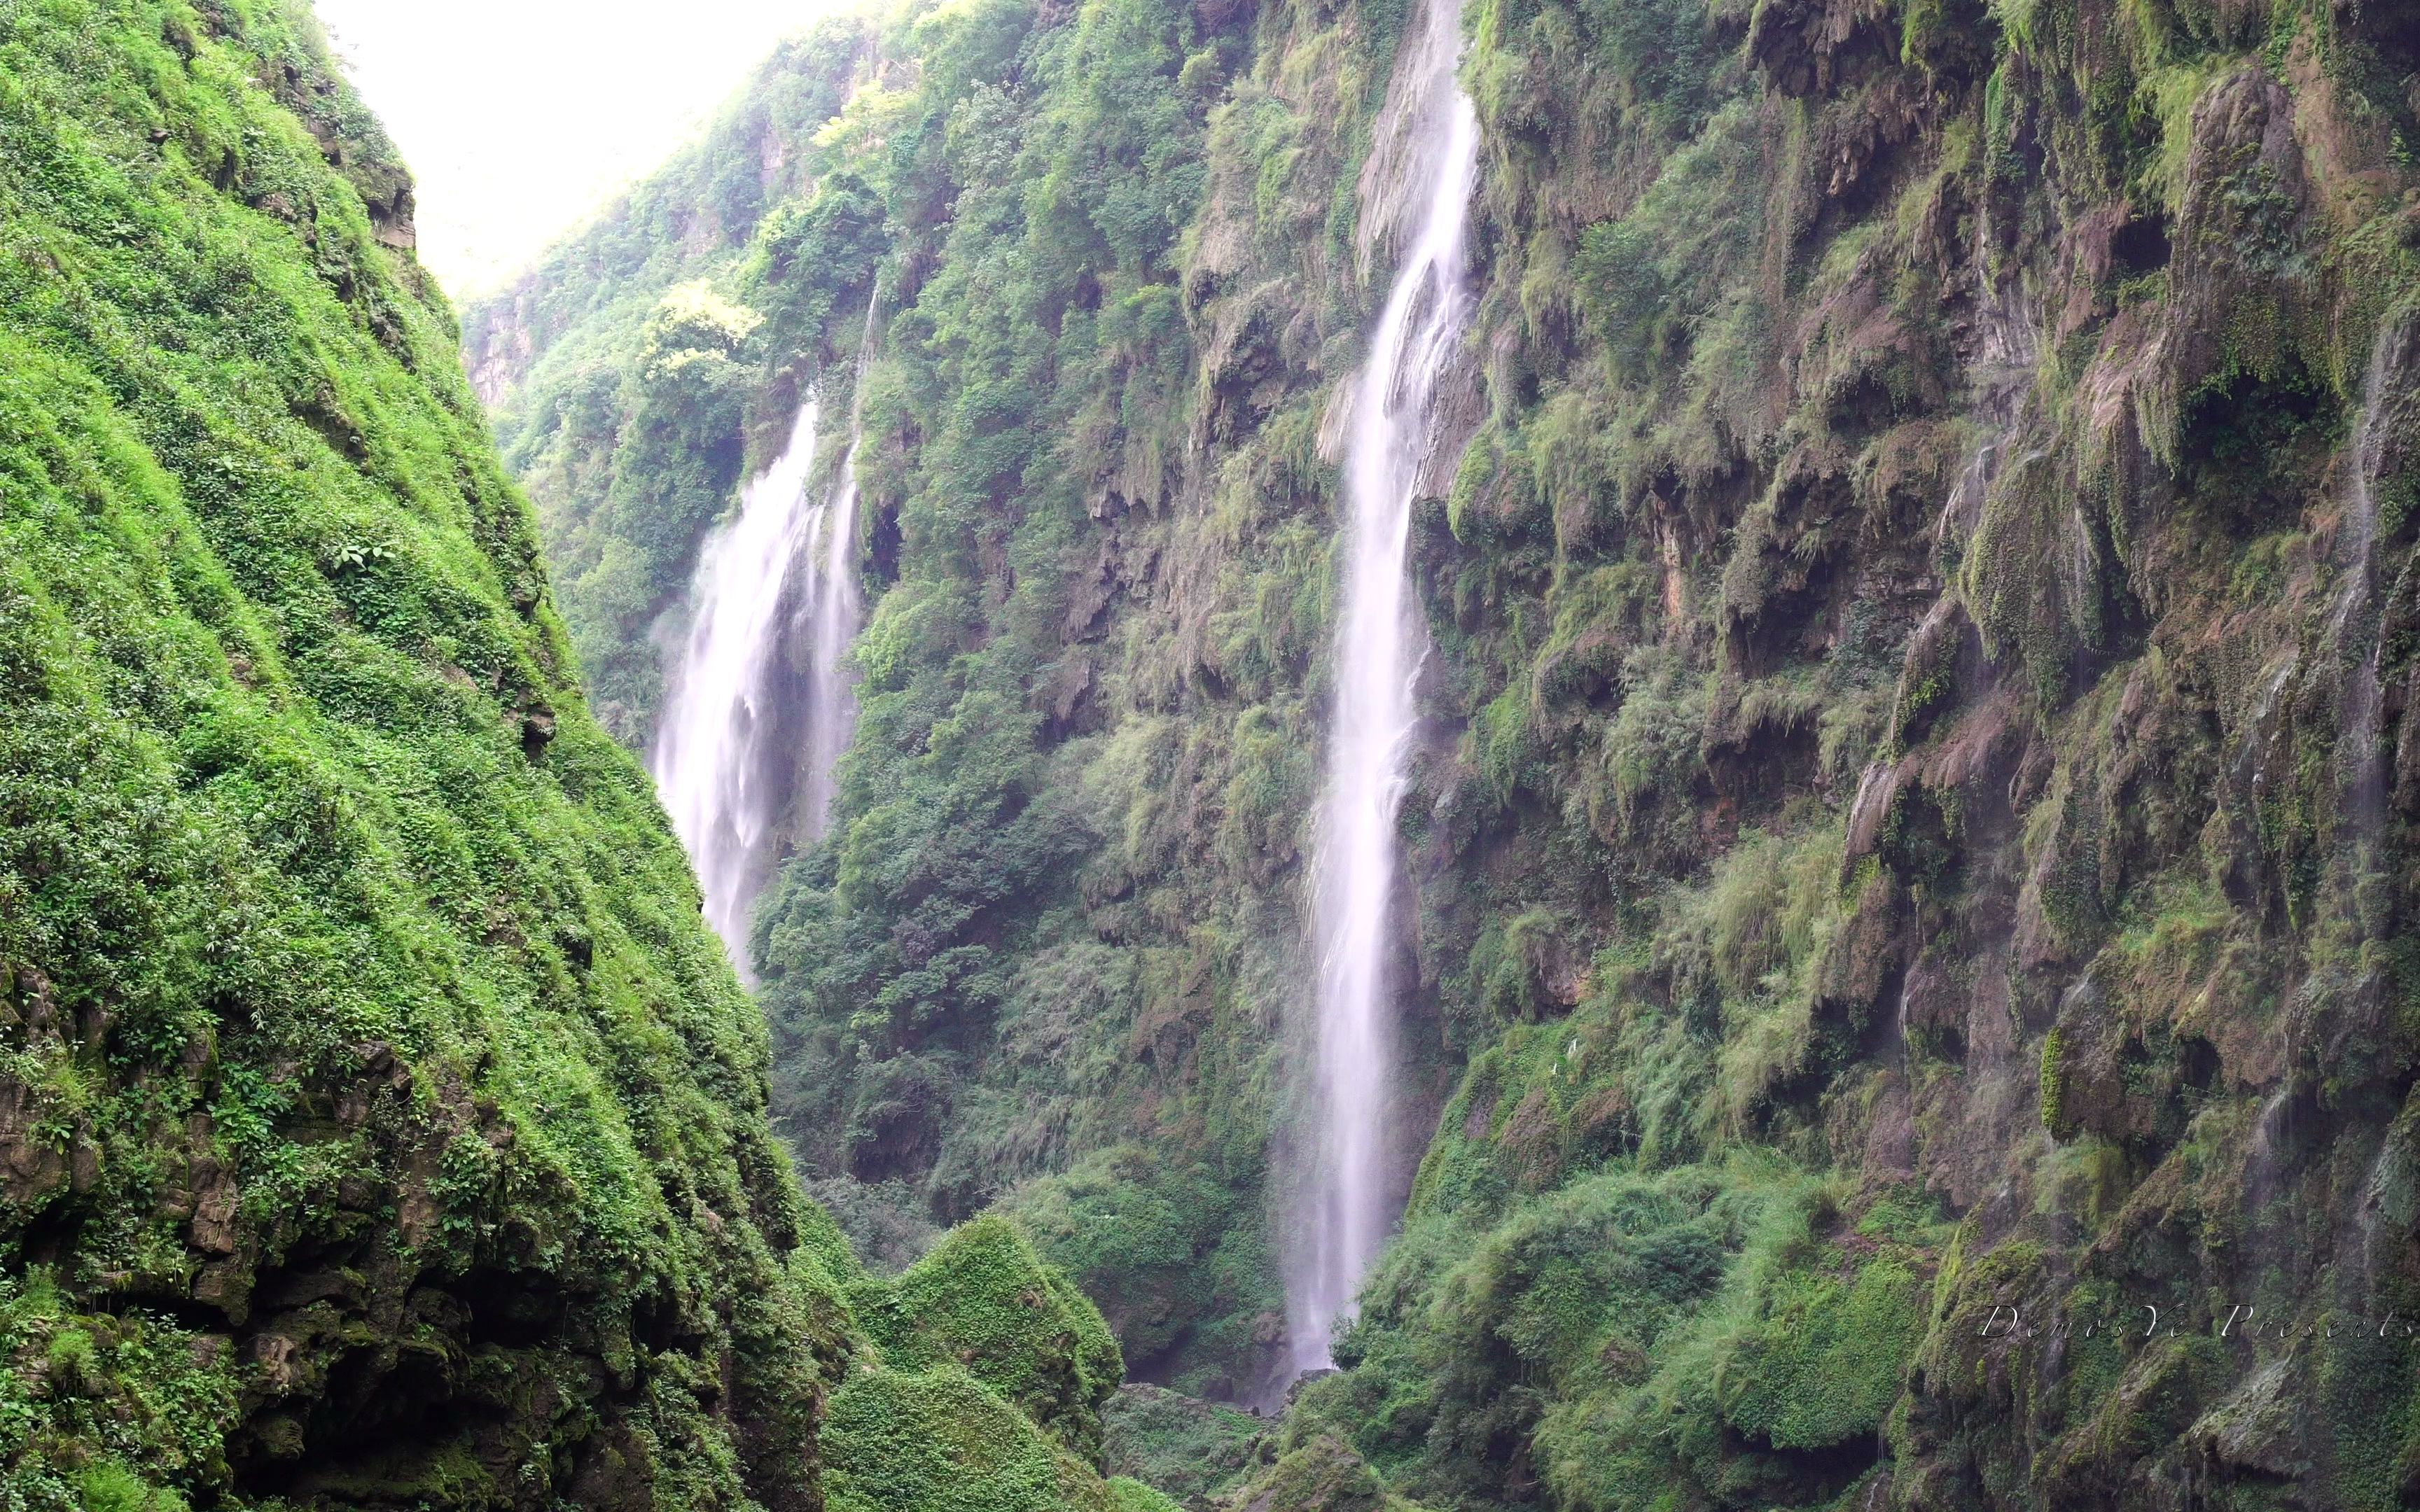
2364, 777
738, 742
830, 615
1347, 1197
716, 760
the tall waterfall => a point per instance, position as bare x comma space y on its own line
717, 759
831, 616
757, 720
1347, 1197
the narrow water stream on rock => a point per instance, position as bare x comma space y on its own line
2351, 625
831, 615
1347, 1201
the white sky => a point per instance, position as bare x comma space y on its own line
521, 118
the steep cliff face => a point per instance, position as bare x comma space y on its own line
1908, 899
378, 1125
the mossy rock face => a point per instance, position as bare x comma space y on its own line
1827, 1365
940, 1441
1189, 1448
983, 1301
378, 1125
1323, 1475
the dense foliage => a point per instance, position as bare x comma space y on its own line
1921, 746
379, 1127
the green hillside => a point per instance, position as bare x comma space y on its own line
1906, 926
378, 1125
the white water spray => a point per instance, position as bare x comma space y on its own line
1347, 1195
832, 614
740, 738
715, 759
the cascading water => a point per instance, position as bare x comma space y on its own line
2354, 648
738, 744
1346, 1193
715, 759
2364, 796
830, 615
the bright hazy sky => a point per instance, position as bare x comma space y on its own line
520, 117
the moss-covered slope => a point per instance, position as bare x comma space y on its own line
1913, 823
379, 1127
379, 1123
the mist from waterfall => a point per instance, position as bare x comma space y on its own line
1346, 1191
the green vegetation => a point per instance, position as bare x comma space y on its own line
1189, 1448
1910, 828
1883, 846
338, 942
378, 1125
984, 1301
938, 1442
1134, 1496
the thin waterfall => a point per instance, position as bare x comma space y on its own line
2352, 651
1347, 1192
830, 616
717, 758
2363, 791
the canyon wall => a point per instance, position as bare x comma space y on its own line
1903, 942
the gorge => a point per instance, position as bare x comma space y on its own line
1567, 754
